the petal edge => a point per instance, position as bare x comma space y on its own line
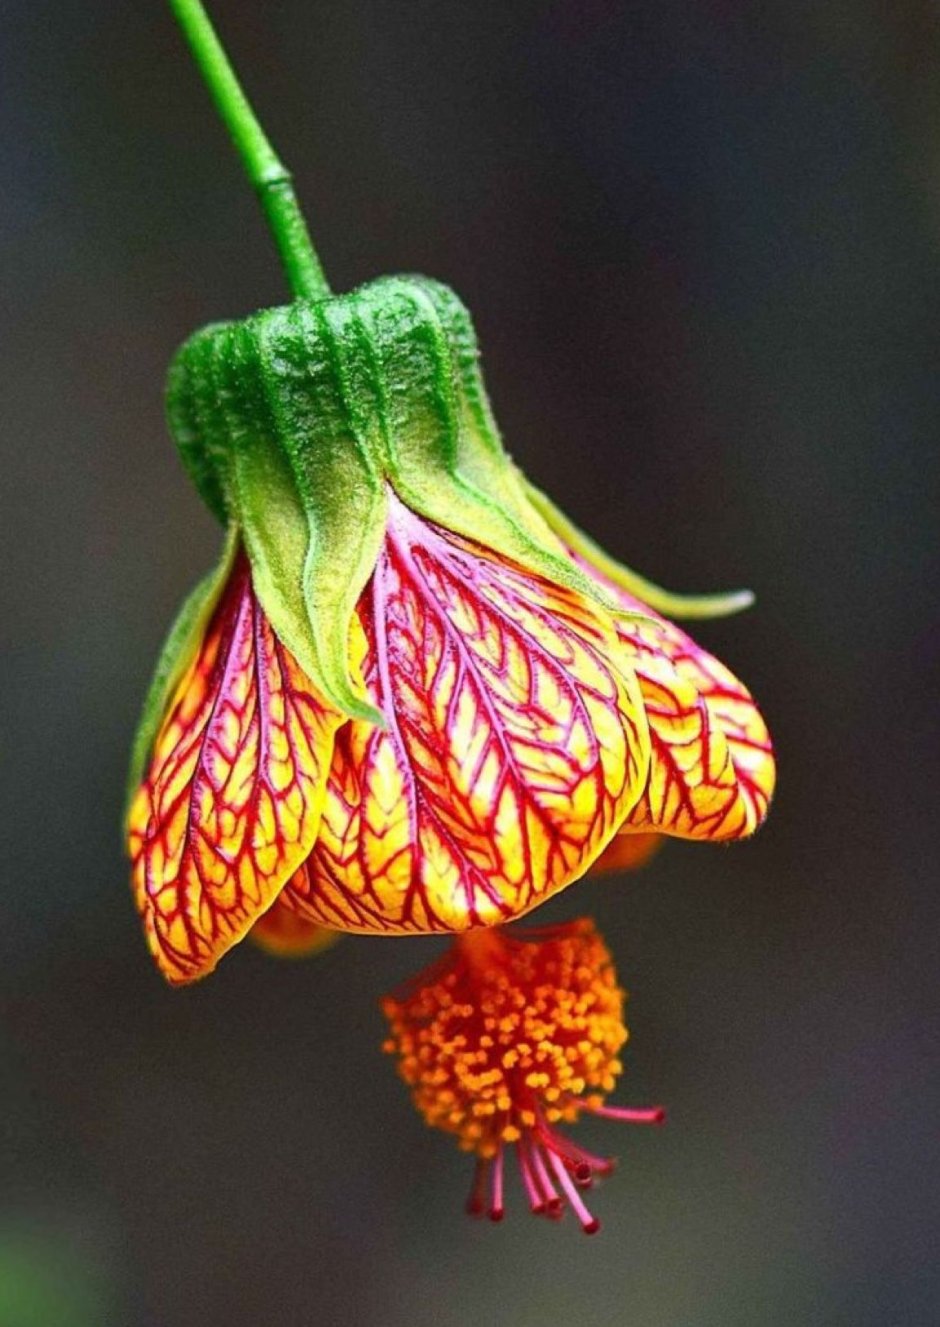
231, 802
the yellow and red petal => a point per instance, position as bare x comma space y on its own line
281, 931
230, 804
514, 748
712, 766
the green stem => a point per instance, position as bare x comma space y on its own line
270, 177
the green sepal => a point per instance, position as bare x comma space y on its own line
687, 606
192, 415
313, 515
176, 654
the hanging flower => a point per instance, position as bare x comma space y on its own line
506, 1038
410, 699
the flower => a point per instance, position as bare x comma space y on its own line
412, 697
505, 1038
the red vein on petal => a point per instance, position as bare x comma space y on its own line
512, 751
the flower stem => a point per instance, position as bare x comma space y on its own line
270, 177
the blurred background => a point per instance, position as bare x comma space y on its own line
701, 240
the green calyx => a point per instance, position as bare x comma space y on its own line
294, 423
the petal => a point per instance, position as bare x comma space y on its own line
231, 802
712, 768
515, 746
628, 852
281, 931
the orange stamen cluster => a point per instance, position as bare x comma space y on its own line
506, 1037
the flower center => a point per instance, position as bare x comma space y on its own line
503, 1039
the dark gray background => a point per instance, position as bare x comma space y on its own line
701, 242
